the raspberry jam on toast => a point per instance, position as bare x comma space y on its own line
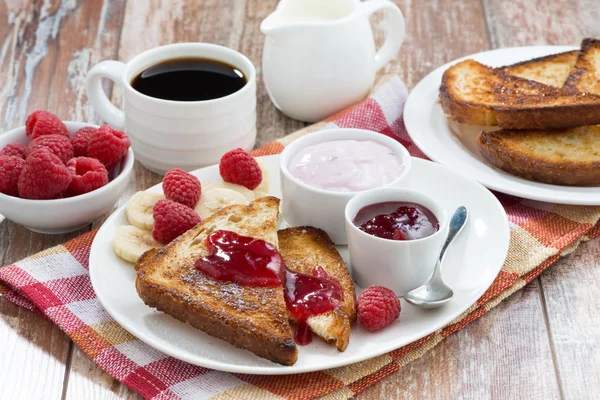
253, 262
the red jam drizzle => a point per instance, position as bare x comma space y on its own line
241, 259
308, 295
303, 334
254, 262
396, 220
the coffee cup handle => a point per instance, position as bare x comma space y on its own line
395, 30
107, 111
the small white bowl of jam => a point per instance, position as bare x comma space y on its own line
322, 171
394, 237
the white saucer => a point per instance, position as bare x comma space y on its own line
431, 131
471, 265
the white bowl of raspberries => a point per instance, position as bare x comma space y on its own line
57, 177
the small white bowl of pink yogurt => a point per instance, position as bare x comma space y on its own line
322, 171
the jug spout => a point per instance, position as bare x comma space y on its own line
271, 25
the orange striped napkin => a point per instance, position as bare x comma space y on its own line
55, 283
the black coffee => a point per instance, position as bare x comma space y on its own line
189, 79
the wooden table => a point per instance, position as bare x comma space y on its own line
541, 343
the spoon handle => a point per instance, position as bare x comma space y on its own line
459, 218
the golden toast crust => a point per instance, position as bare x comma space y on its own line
585, 74
560, 157
252, 318
303, 248
475, 94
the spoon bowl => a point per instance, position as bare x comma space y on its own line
430, 295
435, 293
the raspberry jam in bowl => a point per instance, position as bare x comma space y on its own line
394, 237
396, 220
322, 171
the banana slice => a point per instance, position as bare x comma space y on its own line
130, 242
213, 200
139, 209
247, 193
262, 190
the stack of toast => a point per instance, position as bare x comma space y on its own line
548, 109
250, 317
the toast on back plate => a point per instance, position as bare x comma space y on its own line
561, 157
303, 248
551, 70
476, 94
566, 156
252, 318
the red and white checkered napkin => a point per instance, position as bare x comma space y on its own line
55, 283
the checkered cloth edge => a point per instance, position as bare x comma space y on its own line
55, 284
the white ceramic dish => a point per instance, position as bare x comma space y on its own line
303, 204
63, 215
429, 128
471, 265
400, 265
169, 134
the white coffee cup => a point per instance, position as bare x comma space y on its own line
168, 134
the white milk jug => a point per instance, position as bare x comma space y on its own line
319, 56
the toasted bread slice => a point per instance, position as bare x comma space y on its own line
252, 318
303, 248
551, 70
561, 157
585, 75
475, 94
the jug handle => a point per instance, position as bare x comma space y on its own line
395, 31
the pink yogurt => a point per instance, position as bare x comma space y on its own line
346, 165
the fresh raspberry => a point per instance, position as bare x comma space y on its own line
171, 219
108, 146
57, 144
44, 176
237, 166
41, 123
182, 187
10, 170
81, 140
88, 174
377, 307
14, 149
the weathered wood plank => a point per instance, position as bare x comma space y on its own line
437, 32
45, 50
33, 355
503, 355
526, 23
571, 294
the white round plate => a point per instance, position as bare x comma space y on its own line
432, 132
471, 265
